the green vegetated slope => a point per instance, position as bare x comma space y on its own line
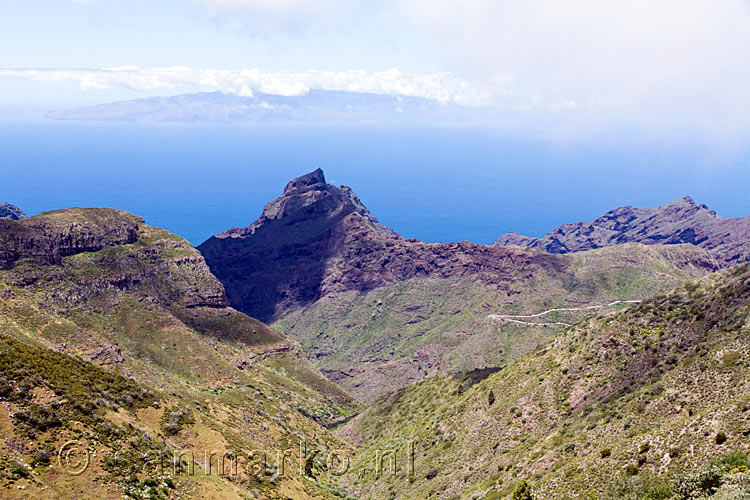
374, 342
116, 335
649, 402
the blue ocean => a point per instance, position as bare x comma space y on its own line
431, 183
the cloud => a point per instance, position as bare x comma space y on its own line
637, 63
443, 87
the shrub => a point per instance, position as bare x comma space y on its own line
733, 461
39, 417
704, 482
19, 470
605, 453
645, 486
42, 456
631, 470
523, 491
729, 359
720, 438
174, 421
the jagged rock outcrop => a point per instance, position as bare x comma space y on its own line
11, 211
317, 239
681, 221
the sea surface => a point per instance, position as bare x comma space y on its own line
431, 183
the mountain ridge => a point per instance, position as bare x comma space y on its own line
679, 221
316, 232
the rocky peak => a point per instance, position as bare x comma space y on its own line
11, 211
317, 177
304, 201
685, 200
317, 239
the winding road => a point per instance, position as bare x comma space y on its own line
514, 318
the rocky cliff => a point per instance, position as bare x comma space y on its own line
50, 236
681, 221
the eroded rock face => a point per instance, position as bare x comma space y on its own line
317, 238
681, 221
11, 211
50, 236
155, 264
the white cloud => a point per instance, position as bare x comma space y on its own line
634, 63
443, 87
614, 64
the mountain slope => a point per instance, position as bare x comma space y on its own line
645, 398
378, 341
681, 221
89, 288
376, 311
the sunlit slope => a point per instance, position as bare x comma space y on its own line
631, 401
170, 366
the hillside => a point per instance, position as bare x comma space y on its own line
681, 221
649, 402
376, 312
115, 334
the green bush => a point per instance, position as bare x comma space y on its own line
733, 461
698, 484
38, 417
523, 491
708, 480
644, 486
631, 470
605, 453
720, 438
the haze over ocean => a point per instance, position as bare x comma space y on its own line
431, 183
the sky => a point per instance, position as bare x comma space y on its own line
649, 67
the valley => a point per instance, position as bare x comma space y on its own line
132, 365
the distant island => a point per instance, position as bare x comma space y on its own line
315, 106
